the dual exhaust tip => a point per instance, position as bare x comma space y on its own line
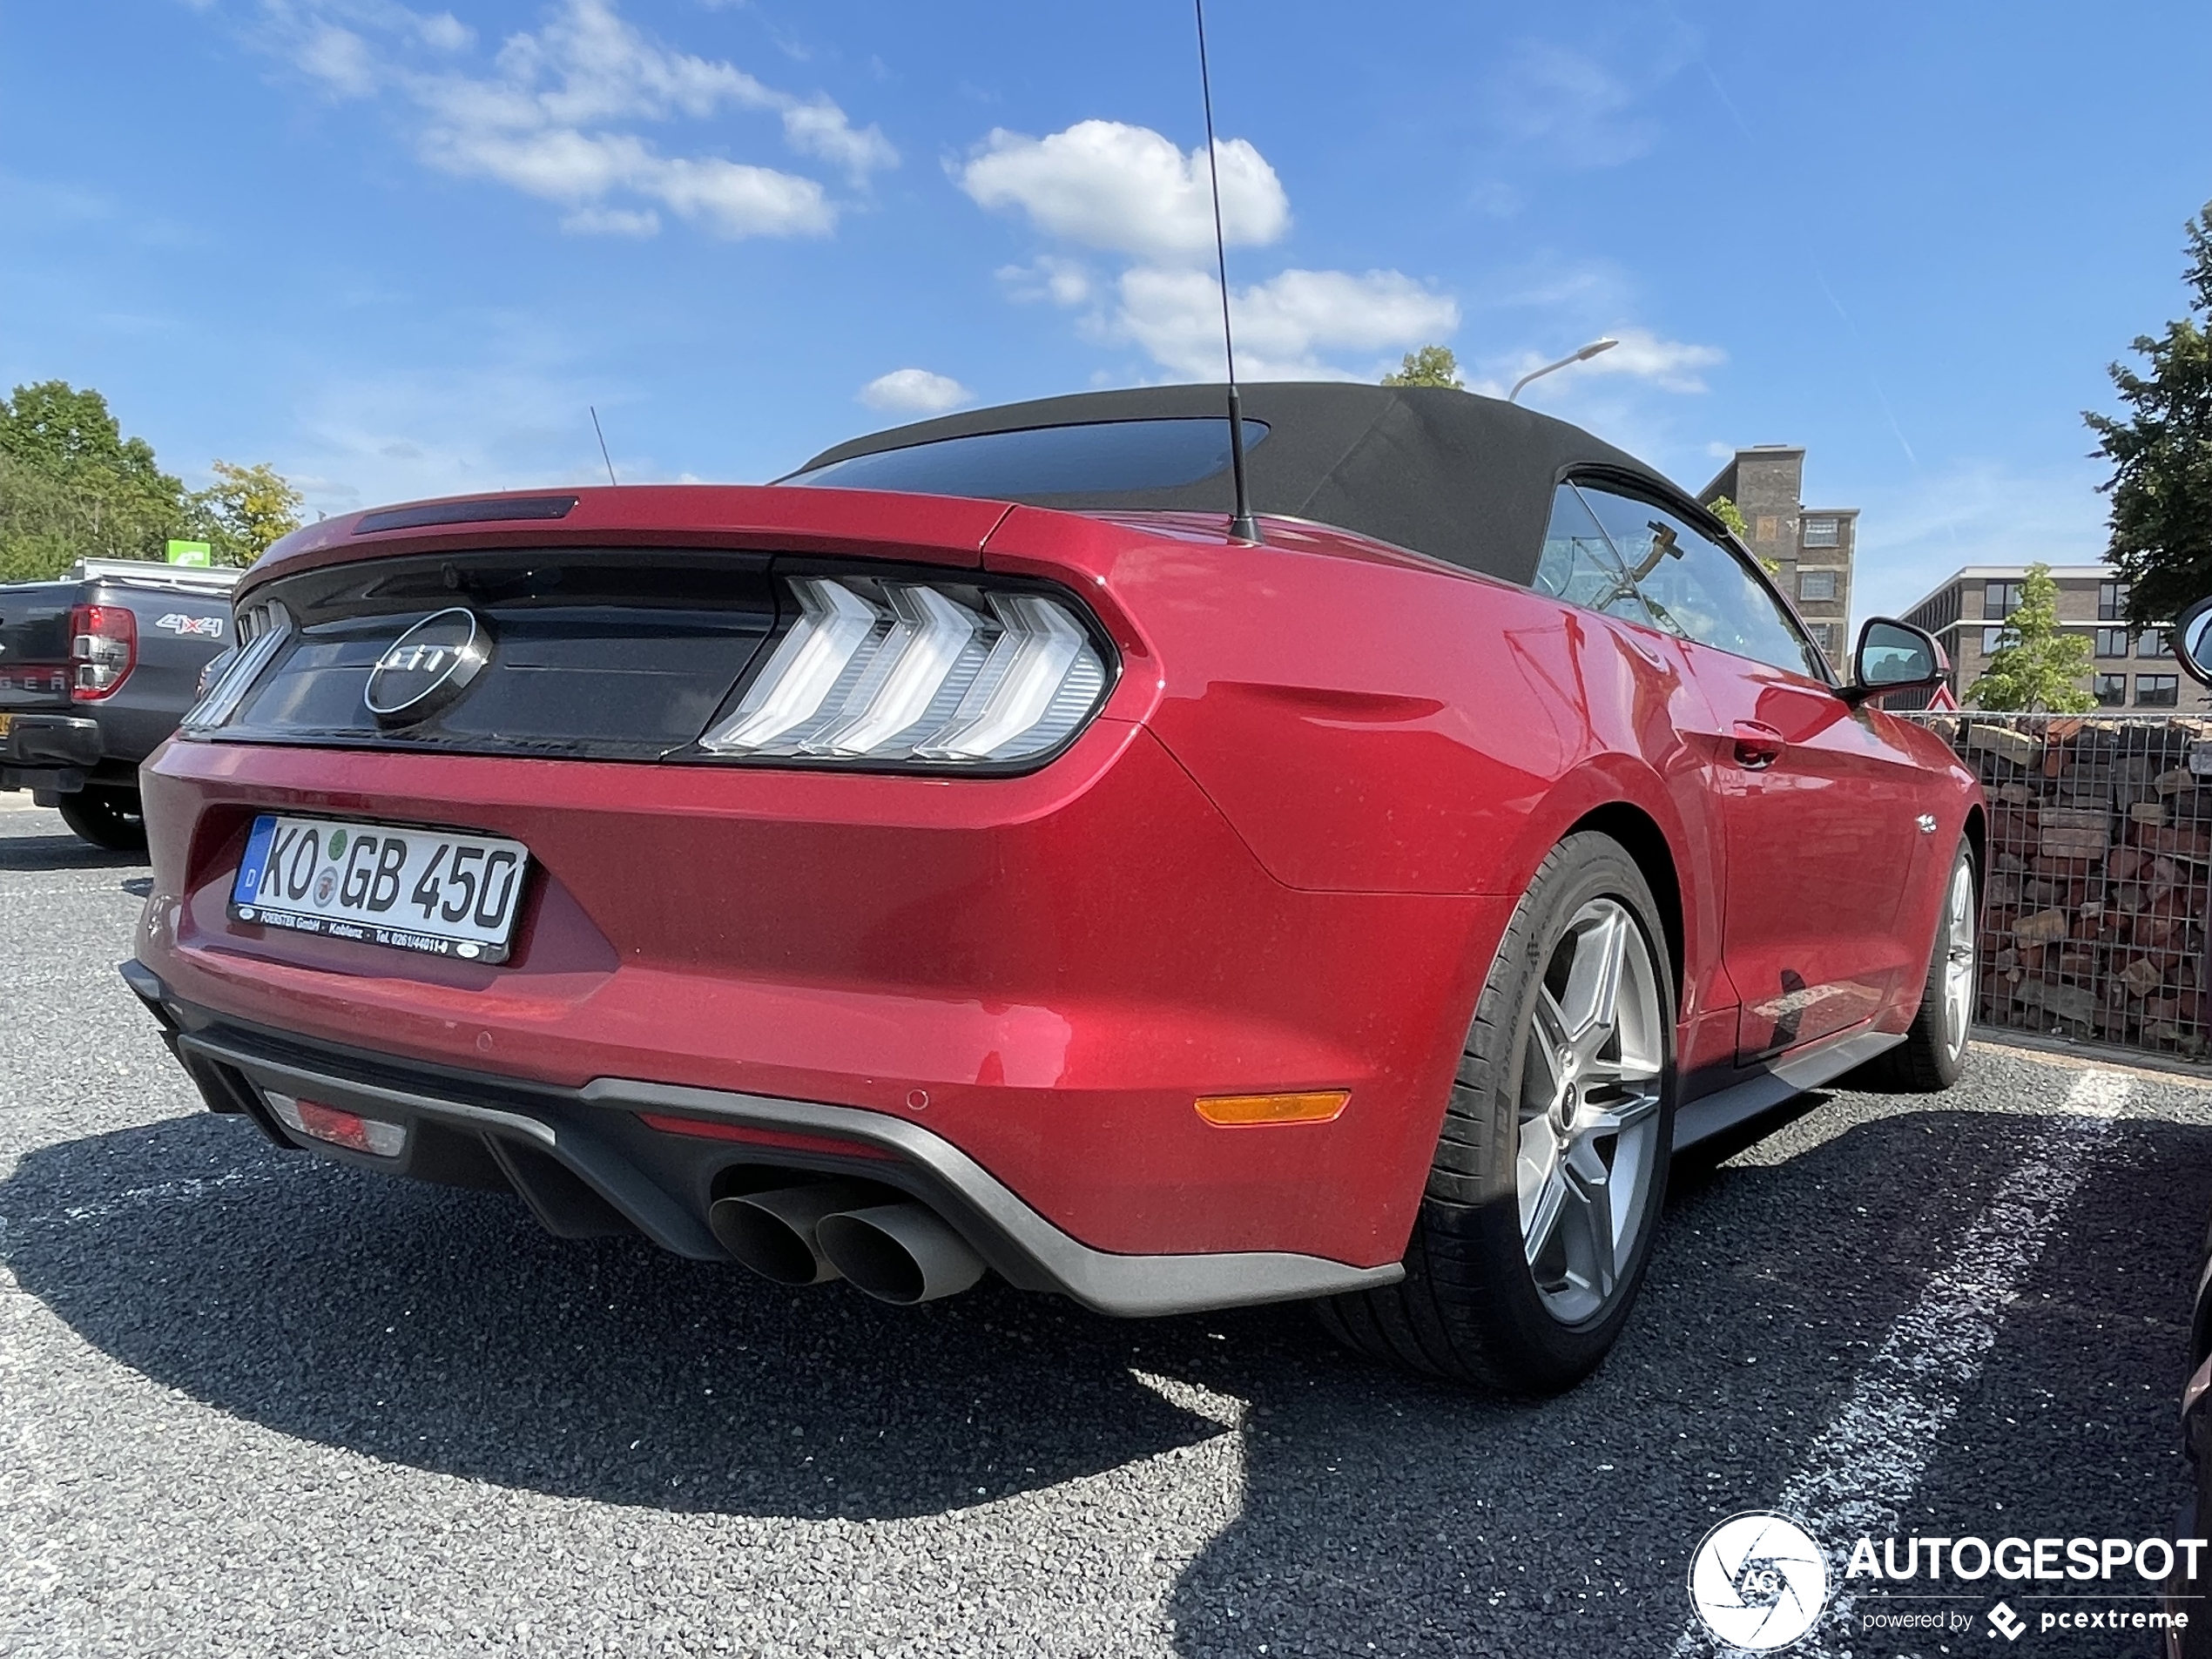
897, 1252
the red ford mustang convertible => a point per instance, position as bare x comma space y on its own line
965, 855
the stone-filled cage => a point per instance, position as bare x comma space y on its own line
2099, 877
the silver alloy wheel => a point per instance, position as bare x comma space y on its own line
1960, 943
1589, 1111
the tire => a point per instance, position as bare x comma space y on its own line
1477, 1304
107, 817
1934, 1050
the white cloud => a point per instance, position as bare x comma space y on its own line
1065, 282
611, 221
737, 200
914, 391
1286, 326
554, 117
1672, 365
820, 128
444, 32
340, 60
1127, 189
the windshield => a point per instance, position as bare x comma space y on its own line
1097, 458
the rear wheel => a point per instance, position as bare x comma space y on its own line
106, 817
1545, 1189
1934, 1050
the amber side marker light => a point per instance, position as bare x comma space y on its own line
1254, 1111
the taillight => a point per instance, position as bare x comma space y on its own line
260, 631
928, 674
103, 649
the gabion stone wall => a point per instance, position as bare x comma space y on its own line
2099, 882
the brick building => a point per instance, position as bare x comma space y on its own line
2128, 668
1812, 546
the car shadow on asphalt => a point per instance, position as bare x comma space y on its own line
1419, 1519
62, 852
442, 1330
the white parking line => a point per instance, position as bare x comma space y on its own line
1857, 1476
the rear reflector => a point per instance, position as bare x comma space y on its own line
707, 1128
1250, 1112
349, 1130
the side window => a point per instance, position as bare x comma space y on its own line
1699, 589
1579, 565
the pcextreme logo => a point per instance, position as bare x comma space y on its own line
1760, 1583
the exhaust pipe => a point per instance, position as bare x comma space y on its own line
774, 1232
898, 1252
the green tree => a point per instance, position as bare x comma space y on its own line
244, 510
2037, 663
1732, 515
1430, 366
2161, 453
72, 486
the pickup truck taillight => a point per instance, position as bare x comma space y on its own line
103, 649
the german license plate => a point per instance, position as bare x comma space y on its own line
436, 891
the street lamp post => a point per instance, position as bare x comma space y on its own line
1582, 356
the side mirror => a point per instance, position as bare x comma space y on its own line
1893, 656
2191, 639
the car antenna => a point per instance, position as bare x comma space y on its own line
1241, 527
603, 455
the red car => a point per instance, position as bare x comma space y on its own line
965, 855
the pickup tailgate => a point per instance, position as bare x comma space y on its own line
34, 646
179, 633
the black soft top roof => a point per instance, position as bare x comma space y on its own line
1461, 478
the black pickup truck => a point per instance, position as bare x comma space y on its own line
96, 670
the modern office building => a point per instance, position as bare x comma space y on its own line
1811, 548
2131, 669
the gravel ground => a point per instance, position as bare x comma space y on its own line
253, 1403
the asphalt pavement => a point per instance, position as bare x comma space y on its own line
252, 1403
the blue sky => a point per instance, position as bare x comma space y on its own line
397, 249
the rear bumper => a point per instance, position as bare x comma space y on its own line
49, 753
619, 1168
1043, 972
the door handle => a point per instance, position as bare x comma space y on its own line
1758, 746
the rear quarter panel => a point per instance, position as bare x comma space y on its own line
1370, 720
